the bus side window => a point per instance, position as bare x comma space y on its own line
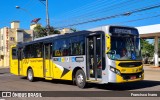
38, 50
69, 47
66, 44
61, 47
55, 49
33, 51
14, 53
78, 47
24, 53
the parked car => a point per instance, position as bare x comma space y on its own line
151, 60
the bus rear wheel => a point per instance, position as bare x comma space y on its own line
80, 79
30, 75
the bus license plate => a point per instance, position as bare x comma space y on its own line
133, 77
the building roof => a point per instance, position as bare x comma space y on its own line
149, 31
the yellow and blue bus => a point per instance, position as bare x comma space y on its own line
108, 54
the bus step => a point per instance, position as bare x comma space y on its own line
94, 81
48, 78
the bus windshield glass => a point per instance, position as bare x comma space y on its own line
124, 47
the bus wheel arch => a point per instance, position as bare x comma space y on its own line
74, 73
79, 77
30, 74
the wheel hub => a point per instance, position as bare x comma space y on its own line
29, 75
80, 78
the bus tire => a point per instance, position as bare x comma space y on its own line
80, 79
30, 75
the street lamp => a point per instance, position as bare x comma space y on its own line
25, 10
18, 7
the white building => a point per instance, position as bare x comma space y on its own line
151, 31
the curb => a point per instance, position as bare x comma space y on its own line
4, 67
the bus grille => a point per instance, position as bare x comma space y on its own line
130, 64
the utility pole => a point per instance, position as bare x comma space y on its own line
47, 15
47, 18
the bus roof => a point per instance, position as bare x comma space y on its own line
40, 38
56, 36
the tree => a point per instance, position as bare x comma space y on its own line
40, 31
147, 48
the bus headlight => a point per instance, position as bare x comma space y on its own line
112, 69
115, 70
118, 72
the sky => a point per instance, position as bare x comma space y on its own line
63, 13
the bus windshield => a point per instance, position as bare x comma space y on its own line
124, 47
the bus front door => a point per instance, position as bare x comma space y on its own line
14, 66
46, 60
94, 58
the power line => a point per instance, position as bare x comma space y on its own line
144, 18
116, 15
98, 6
129, 21
85, 7
113, 6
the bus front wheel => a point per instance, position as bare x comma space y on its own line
80, 79
30, 75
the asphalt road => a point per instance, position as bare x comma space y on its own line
9, 82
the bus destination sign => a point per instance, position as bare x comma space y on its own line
123, 30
